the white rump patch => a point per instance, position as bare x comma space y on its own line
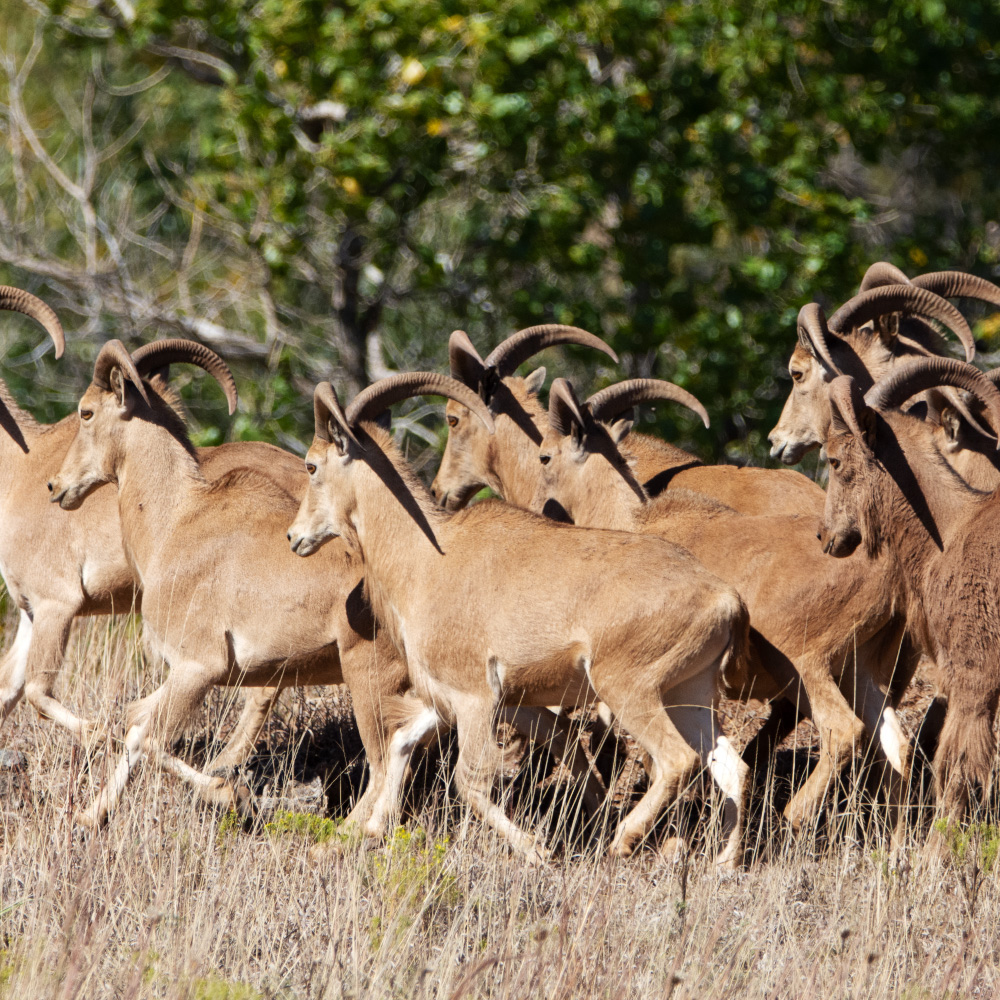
727, 768
893, 739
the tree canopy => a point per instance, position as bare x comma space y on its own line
328, 188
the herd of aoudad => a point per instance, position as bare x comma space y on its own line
617, 569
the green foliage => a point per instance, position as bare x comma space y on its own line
412, 881
984, 838
678, 177
215, 988
319, 829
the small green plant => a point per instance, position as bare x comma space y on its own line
959, 838
410, 876
214, 988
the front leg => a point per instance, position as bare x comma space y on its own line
48, 637
14, 666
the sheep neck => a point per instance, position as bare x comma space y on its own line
156, 471
512, 464
399, 531
921, 502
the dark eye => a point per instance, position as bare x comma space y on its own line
797, 375
310, 468
544, 459
835, 464
452, 421
86, 414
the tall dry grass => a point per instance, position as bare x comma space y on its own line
175, 900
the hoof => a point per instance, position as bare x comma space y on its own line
674, 850
537, 856
91, 819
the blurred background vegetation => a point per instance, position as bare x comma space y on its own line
323, 189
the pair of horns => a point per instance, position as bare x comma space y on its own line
815, 331
906, 380
468, 367
565, 408
159, 354
379, 396
18, 300
947, 284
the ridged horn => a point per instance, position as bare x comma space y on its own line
327, 407
606, 404
958, 284
520, 346
908, 299
813, 332
379, 396
846, 399
564, 408
114, 354
882, 273
18, 300
920, 374
464, 360
161, 353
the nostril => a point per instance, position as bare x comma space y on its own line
819, 536
288, 535
50, 485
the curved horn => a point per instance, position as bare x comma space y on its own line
564, 408
907, 299
846, 399
911, 377
958, 284
880, 274
160, 353
382, 394
18, 300
518, 347
813, 333
615, 399
326, 407
114, 354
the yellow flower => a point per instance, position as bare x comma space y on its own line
413, 72
435, 127
350, 186
280, 68
454, 23
918, 257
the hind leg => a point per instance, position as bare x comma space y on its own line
541, 723
256, 709
479, 761
692, 708
841, 732
154, 722
14, 667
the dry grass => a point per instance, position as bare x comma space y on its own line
175, 900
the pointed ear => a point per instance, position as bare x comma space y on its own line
867, 422
849, 413
534, 382
119, 386
951, 421
620, 428
887, 328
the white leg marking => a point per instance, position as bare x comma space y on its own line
15, 665
397, 757
727, 768
893, 739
